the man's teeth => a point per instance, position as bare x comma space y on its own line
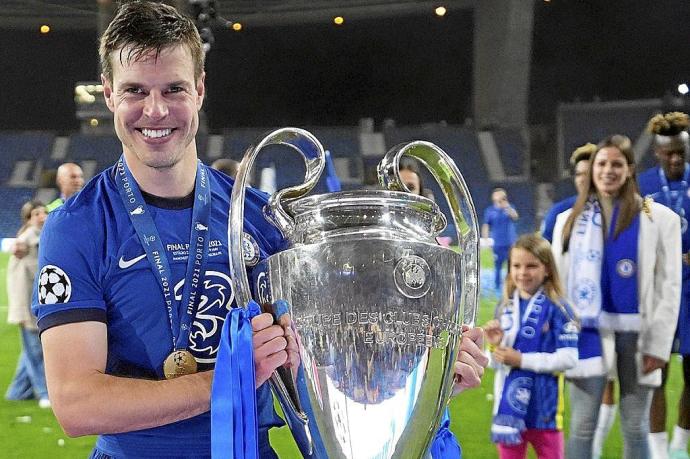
155, 133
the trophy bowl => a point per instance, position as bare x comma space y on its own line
377, 305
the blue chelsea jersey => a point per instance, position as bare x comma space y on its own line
92, 267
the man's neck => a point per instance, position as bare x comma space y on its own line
173, 182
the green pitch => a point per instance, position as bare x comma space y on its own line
27, 431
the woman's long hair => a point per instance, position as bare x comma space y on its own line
628, 197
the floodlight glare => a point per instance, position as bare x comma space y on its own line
683, 88
440, 11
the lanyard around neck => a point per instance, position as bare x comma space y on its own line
180, 315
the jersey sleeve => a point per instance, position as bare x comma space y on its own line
565, 355
67, 287
488, 212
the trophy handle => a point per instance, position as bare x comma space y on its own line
314, 157
315, 160
459, 200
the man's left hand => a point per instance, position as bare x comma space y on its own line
469, 368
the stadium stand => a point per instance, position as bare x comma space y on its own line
511, 147
25, 146
12, 200
355, 168
104, 149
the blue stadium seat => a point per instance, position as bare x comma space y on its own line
12, 200
23, 146
511, 149
104, 149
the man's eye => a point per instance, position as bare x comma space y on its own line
133, 91
174, 89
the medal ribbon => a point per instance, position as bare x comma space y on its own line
145, 227
234, 433
678, 205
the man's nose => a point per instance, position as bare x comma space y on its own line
155, 106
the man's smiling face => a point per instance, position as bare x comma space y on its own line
155, 101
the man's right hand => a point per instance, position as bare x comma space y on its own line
270, 347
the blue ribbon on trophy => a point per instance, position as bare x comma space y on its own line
332, 180
234, 423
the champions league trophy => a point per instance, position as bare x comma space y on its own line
377, 304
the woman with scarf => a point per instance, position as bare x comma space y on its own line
619, 257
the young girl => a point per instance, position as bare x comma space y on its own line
534, 336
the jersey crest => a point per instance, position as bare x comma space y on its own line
214, 304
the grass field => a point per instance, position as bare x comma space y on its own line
27, 431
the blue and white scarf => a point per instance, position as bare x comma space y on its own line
620, 311
584, 287
514, 385
584, 274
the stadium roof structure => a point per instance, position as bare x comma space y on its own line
83, 14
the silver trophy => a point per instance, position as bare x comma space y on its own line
378, 305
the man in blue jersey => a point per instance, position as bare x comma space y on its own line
668, 184
499, 224
133, 286
579, 161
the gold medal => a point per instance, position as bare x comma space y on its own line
179, 363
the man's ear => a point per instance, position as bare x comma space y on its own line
200, 90
108, 93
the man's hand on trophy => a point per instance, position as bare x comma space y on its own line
270, 346
469, 367
292, 348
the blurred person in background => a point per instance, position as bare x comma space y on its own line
579, 161
29, 379
499, 224
667, 184
412, 178
69, 179
619, 258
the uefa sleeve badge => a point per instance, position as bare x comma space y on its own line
54, 286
